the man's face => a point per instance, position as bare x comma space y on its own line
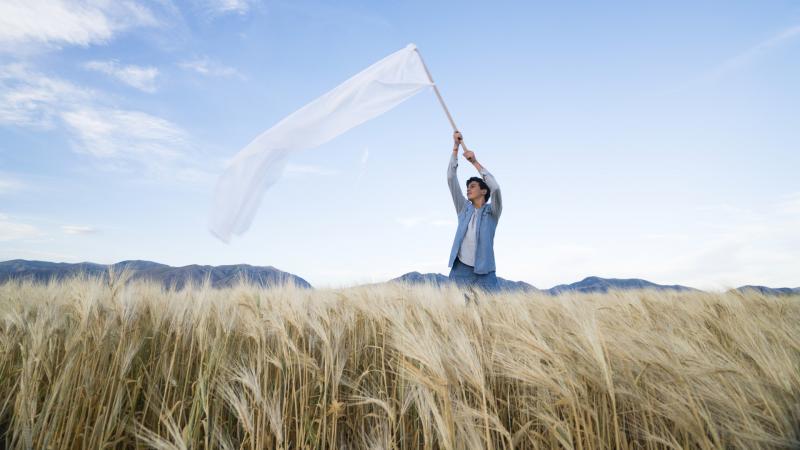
474, 191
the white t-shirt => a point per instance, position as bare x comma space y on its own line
468, 246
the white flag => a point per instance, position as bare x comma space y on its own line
368, 94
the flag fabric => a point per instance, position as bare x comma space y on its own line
368, 94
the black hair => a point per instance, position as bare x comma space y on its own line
483, 186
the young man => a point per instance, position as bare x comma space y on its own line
472, 255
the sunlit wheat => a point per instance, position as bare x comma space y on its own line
86, 363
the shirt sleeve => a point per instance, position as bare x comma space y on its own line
452, 182
496, 198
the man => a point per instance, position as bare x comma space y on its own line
472, 255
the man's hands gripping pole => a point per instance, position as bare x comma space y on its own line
458, 140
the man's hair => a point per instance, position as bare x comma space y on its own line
483, 186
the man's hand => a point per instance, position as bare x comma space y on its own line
457, 140
470, 156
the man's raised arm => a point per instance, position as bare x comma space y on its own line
452, 176
496, 201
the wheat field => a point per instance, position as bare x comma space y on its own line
87, 363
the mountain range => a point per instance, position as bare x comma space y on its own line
225, 276
178, 277
588, 284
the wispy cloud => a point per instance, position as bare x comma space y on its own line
743, 58
139, 77
216, 8
338, 14
11, 230
79, 230
789, 204
126, 135
28, 98
65, 22
26, 253
409, 222
735, 253
750, 54
10, 185
728, 247
207, 67
118, 139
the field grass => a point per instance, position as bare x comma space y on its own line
86, 363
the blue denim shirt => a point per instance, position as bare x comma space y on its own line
486, 222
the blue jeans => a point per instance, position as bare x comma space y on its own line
463, 275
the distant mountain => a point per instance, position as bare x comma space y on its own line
418, 278
589, 284
224, 276
597, 284
439, 279
168, 276
770, 291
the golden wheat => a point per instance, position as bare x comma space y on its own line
91, 364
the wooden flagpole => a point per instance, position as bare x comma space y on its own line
439, 96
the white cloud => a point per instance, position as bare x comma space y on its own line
744, 58
28, 98
738, 252
66, 22
789, 204
207, 67
409, 222
79, 229
337, 14
118, 139
222, 7
125, 135
753, 52
726, 246
11, 230
139, 77
9, 185
25, 253
707, 247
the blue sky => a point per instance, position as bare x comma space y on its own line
630, 139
